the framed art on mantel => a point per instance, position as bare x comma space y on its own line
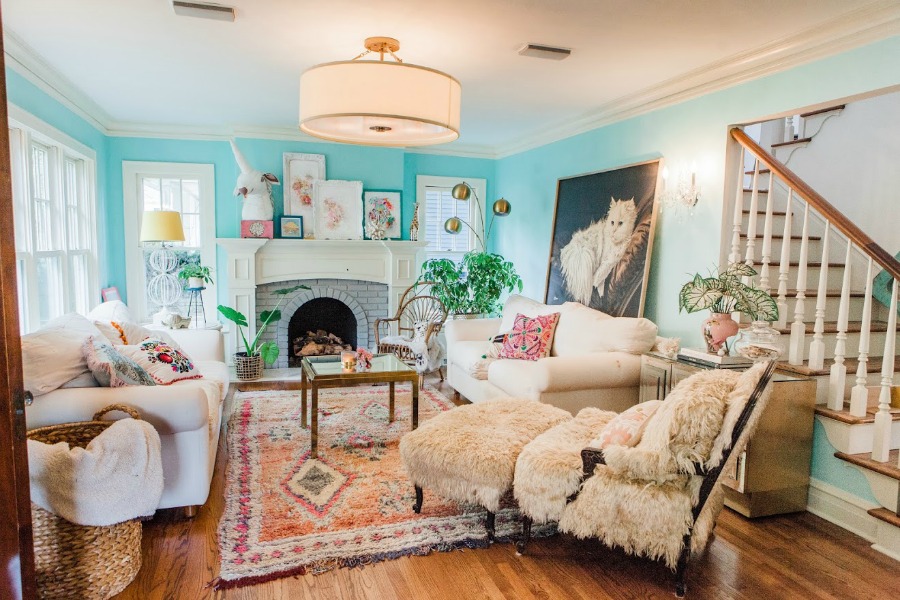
381, 211
603, 229
301, 172
338, 210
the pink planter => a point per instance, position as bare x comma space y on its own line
717, 328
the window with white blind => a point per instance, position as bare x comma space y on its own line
186, 188
436, 205
53, 209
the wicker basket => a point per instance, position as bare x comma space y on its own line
248, 368
75, 561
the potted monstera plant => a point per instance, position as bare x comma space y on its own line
722, 295
249, 364
473, 286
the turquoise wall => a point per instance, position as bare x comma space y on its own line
29, 97
694, 131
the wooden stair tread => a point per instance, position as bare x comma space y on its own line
885, 515
810, 264
888, 469
852, 327
844, 415
873, 365
762, 213
792, 142
828, 293
823, 110
761, 172
760, 191
811, 238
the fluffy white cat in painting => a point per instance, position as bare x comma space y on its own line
593, 252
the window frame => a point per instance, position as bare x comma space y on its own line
478, 184
132, 173
26, 129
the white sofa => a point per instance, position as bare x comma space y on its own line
594, 361
187, 415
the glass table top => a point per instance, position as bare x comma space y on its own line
331, 365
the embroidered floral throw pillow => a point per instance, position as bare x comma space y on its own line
626, 428
530, 337
110, 368
165, 363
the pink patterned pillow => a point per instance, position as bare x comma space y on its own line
165, 363
625, 429
530, 338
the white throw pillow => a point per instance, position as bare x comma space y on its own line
114, 310
51, 356
581, 333
517, 304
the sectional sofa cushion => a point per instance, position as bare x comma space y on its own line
52, 356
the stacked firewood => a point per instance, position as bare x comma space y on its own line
319, 342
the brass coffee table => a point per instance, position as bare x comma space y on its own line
327, 372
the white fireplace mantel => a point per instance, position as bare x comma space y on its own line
254, 261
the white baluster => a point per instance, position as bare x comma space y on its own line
767, 238
817, 347
838, 376
785, 264
859, 395
751, 222
798, 327
788, 129
735, 255
881, 445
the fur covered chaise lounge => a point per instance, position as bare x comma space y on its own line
660, 498
468, 454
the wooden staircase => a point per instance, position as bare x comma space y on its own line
820, 267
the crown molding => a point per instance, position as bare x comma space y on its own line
29, 64
866, 25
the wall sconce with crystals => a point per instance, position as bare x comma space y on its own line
462, 192
684, 194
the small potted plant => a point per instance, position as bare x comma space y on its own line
472, 287
195, 276
249, 364
722, 295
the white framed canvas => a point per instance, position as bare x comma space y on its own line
381, 213
301, 172
338, 210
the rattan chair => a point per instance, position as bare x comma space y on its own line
417, 305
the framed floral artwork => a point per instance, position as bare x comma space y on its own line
291, 226
301, 172
338, 210
381, 214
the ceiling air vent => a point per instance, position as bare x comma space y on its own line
203, 10
541, 51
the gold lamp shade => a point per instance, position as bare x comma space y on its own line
502, 207
453, 225
161, 226
461, 191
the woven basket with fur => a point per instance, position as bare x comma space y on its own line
75, 561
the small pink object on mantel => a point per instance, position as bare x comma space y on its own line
257, 229
717, 328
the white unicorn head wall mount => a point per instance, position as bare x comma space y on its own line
256, 188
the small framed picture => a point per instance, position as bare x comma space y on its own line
109, 294
291, 227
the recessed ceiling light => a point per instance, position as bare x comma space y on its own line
542, 51
203, 10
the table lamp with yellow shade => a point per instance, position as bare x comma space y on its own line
163, 288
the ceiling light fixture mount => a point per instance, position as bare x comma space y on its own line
379, 102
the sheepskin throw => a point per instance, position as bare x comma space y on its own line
429, 355
468, 454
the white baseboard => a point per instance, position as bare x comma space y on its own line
850, 512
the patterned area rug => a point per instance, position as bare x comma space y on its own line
287, 514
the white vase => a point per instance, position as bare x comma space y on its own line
195, 283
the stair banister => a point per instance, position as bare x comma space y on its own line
817, 346
750, 255
797, 351
785, 264
881, 445
735, 255
837, 378
767, 237
859, 395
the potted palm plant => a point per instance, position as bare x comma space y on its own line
473, 286
195, 275
722, 295
249, 364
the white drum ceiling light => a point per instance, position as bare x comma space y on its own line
379, 103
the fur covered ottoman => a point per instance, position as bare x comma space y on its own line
468, 454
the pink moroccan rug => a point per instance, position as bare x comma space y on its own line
287, 514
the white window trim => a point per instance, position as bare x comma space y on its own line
480, 187
44, 133
131, 172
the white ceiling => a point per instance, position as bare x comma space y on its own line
141, 64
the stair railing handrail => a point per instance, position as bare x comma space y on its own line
837, 219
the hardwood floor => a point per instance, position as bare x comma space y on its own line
794, 556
